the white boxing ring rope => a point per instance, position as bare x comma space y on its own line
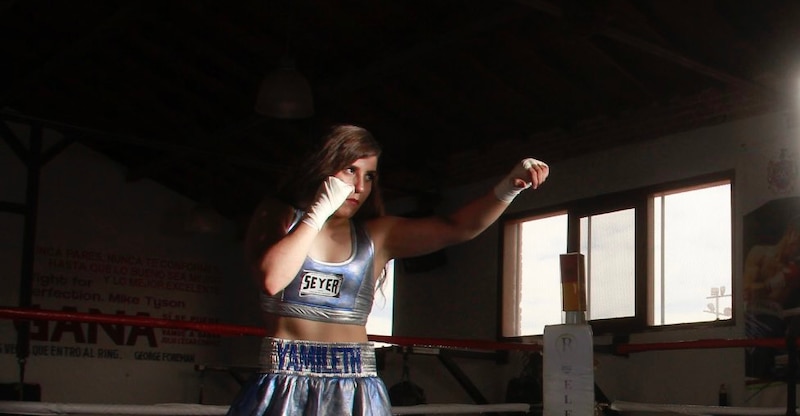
178, 409
170, 409
692, 409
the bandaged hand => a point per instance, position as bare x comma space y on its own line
526, 174
330, 196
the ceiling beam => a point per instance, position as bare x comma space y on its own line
93, 134
116, 23
654, 49
378, 71
159, 54
682, 60
198, 102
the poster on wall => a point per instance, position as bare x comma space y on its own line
108, 282
771, 276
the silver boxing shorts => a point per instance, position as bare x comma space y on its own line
303, 378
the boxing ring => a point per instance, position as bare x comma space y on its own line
429, 345
611, 406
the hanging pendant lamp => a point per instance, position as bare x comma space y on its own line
285, 93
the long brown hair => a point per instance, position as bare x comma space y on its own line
340, 147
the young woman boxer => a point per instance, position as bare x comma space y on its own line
317, 253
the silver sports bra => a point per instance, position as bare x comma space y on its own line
330, 292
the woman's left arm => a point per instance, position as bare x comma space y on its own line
407, 237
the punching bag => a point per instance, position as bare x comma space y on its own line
406, 393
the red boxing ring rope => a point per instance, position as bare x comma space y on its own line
238, 330
701, 344
31, 314
37, 408
146, 321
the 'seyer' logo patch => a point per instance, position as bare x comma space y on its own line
320, 284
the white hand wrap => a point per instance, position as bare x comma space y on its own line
330, 196
507, 190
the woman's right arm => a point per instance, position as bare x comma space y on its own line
274, 254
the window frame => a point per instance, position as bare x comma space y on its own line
639, 200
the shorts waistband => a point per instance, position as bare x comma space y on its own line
332, 359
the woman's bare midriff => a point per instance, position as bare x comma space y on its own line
304, 329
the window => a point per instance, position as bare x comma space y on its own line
656, 256
609, 245
692, 261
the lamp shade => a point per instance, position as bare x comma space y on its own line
285, 93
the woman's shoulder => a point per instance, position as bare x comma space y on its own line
271, 220
380, 221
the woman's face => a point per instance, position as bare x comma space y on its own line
361, 174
